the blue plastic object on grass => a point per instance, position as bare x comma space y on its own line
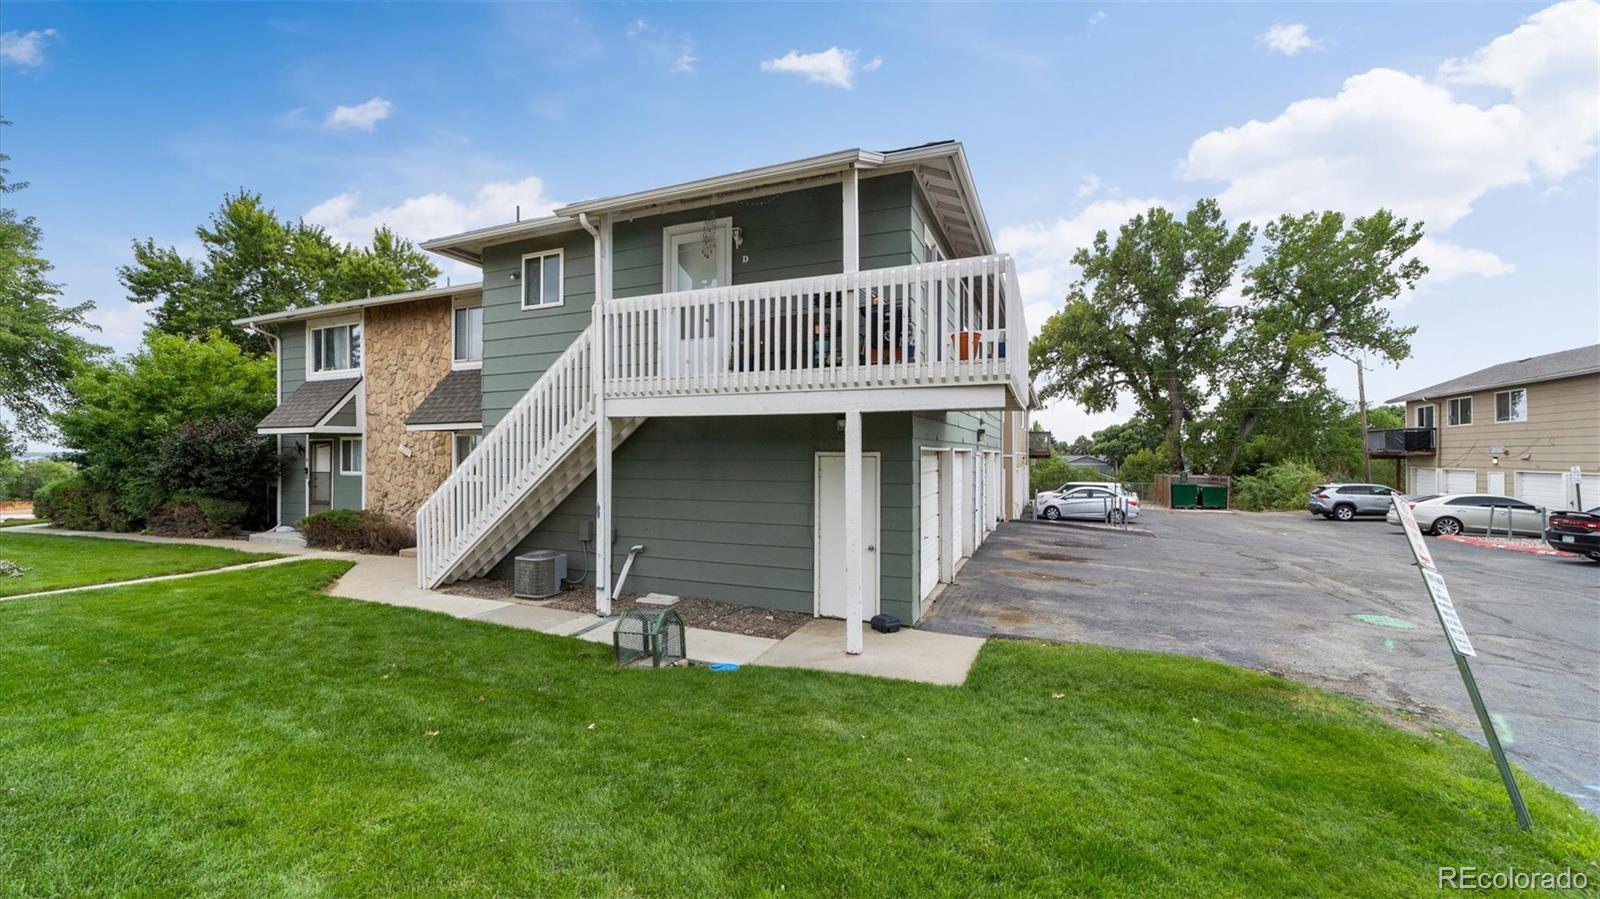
723, 666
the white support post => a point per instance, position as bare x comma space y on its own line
854, 570
602, 423
852, 223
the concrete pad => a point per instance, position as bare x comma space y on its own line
533, 618
908, 655
658, 599
573, 625
601, 634
393, 581
721, 646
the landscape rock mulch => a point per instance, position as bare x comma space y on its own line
703, 613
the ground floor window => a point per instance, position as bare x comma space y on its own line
462, 445
350, 456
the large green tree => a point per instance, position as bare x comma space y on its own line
1151, 317
38, 350
255, 262
1146, 318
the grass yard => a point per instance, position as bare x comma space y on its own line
244, 734
57, 561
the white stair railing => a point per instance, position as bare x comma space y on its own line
547, 422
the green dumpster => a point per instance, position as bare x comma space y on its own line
1213, 497
1185, 496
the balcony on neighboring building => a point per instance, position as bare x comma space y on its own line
1039, 443
1397, 443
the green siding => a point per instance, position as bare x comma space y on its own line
346, 487
922, 218
344, 418
292, 479
292, 356
520, 344
723, 507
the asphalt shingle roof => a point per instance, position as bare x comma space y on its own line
458, 399
1549, 367
308, 404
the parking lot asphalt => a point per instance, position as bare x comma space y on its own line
1281, 592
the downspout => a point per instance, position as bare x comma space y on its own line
277, 504
602, 428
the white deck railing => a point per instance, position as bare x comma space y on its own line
543, 426
955, 322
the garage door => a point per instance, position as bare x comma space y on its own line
930, 523
1547, 489
1425, 481
1460, 480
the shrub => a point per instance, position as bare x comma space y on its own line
198, 516
362, 532
1281, 487
219, 457
20, 480
73, 502
1142, 466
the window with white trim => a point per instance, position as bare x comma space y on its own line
468, 335
1511, 405
1459, 411
462, 444
336, 348
541, 279
1425, 415
350, 455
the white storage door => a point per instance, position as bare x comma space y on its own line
1424, 481
1460, 480
929, 517
1547, 489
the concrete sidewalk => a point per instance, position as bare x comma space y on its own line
177, 577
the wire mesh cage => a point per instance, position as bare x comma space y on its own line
654, 634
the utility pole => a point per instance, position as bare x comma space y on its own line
1361, 396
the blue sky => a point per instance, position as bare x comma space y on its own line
131, 121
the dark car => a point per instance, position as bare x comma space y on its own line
1575, 532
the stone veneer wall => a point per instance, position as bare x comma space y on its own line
408, 352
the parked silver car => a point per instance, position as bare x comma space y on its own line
1346, 501
1455, 513
1092, 503
1045, 495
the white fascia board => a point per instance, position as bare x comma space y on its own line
741, 180
357, 305
468, 246
449, 426
965, 398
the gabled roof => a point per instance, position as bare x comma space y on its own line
348, 305
1549, 367
456, 400
940, 168
308, 405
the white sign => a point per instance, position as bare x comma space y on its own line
1447, 612
1577, 474
1408, 521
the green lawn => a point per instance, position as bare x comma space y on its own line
243, 734
56, 561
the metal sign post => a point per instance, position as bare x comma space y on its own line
1577, 484
1461, 648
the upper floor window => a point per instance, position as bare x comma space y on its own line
1511, 405
1459, 411
336, 348
1425, 415
541, 279
468, 336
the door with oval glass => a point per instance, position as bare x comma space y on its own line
696, 256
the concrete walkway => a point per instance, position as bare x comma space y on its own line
244, 546
177, 577
392, 580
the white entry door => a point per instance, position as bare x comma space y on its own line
830, 598
697, 256
1496, 483
930, 518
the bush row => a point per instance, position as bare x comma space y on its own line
362, 532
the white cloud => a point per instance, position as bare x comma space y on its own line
433, 215
362, 116
832, 66
1098, 17
1287, 39
1412, 144
1043, 251
121, 325
1090, 185
675, 48
25, 48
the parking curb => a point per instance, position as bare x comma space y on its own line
1488, 543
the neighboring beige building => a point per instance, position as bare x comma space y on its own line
1514, 429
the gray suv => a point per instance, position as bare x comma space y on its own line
1346, 501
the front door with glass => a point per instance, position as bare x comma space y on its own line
697, 256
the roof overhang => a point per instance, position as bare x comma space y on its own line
1434, 394
940, 168
310, 406
475, 287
